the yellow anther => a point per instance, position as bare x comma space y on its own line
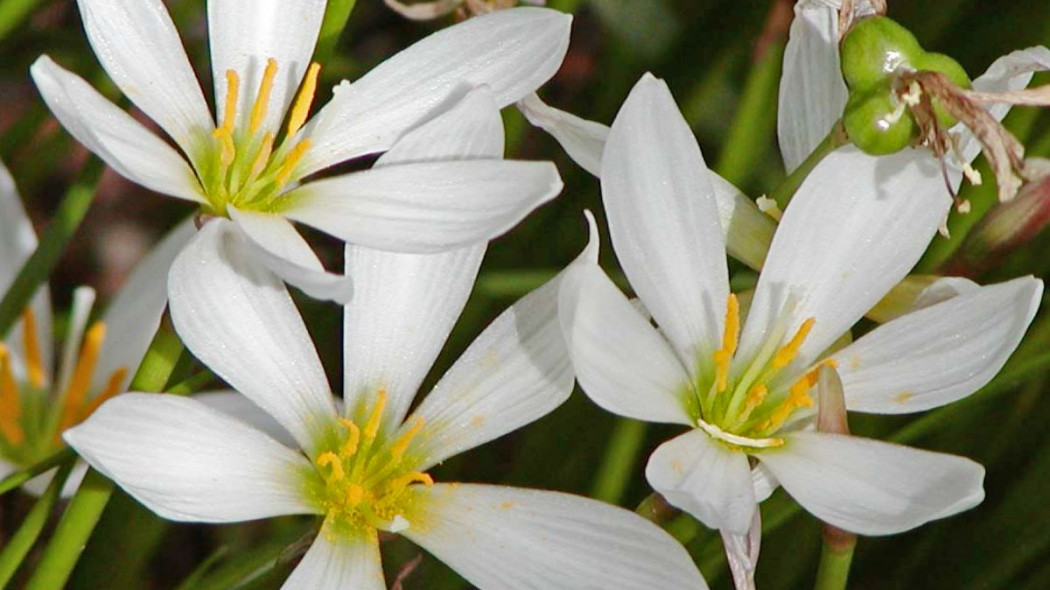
290, 162
798, 397
354, 495
399, 484
80, 382
263, 157
34, 355
113, 387
787, 353
262, 100
730, 339
10, 402
333, 461
401, 445
353, 437
756, 396
305, 100
233, 88
372, 426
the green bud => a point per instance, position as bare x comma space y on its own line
874, 123
875, 48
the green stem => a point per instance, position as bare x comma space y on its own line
16, 479
19, 545
335, 18
787, 189
617, 466
84, 511
836, 556
192, 384
39, 266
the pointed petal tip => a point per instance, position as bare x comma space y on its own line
591, 251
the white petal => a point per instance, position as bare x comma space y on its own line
664, 220
133, 316
511, 51
245, 34
583, 140
335, 562
1012, 71
279, 246
706, 479
17, 244
764, 482
428, 10
870, 487
943, 289
138, 46
855, 228
940, 354
747, 230
187, 462
113, 135
621, 361
812, 92
238, 319
406, 304
499, 537
425, 207
515, 372
242, 409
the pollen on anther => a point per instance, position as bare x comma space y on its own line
787, 353
262, 100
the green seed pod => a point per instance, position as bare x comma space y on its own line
874, 123
875, 48
938, 62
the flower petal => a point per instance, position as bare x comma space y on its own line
855, 228
406, 304
425, 207
245, 34
870, 487
812, 92
515, 372
664, 221
17, 244
242, 409
133, 316
939, 354
113, 135
138, 46
279, 246
238, 319
583, 140
706, 479
511, 51
187, 462
1012, 71
621, 361
338, 562
498, 537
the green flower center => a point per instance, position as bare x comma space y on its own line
242, 165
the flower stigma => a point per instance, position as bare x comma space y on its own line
744, 408
243, 165
367, 481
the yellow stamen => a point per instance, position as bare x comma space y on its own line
82, 374
400, 483
263, 157
113, 387
398, 449
262, 100
755, 397
233, 88
288, 167
787, 353
798, 397
354, 495
304, 101
372, 426
10, 403
332, 460
730, 338
349, 447
34, 356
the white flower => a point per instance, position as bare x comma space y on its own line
97, 362
364, 468
850, 234
248, 161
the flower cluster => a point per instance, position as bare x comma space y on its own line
760, 380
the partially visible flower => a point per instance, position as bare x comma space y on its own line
743, 386
364, 468
250, 161
97, 362
431, 9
